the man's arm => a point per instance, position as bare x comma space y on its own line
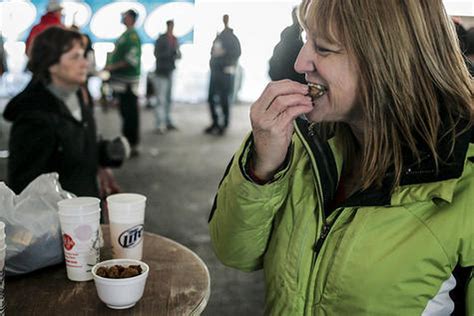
118, 65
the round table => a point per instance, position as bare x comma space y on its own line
178, 284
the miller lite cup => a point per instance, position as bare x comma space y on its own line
80, 228
126, 216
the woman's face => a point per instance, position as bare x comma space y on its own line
329, 65
71, 70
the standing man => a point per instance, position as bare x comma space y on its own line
225, 53
50, 18
166, 53
124, 67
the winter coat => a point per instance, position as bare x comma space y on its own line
45, 137
225, 50
378, 253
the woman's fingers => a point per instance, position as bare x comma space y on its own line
294, 105
279, 88
271, 117
291, 113
282, 103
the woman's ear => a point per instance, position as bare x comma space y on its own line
53, 68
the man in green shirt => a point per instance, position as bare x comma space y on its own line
124, 67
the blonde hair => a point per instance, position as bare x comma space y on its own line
411, 71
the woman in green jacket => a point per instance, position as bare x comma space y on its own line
364, 207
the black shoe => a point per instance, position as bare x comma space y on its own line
159, 131
221, 131
211, 129
171, 127
135, 152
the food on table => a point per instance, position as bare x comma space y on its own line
119, 271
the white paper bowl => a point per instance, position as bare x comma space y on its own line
120, 293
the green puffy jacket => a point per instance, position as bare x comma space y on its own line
406, 253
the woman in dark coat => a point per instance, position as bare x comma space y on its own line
53, 129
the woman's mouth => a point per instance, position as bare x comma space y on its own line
316, 90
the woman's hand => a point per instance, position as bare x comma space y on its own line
107, 183
272, 117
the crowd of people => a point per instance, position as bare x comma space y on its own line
52, 118
352, 190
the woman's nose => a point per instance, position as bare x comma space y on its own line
304, 62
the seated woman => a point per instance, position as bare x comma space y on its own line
53, 128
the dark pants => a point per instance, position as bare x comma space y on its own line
128, 103
220, 86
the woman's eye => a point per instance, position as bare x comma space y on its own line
322, 50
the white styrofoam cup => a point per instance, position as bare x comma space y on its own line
80, 227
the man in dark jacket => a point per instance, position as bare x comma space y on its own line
285, 52
225, 53
166, 53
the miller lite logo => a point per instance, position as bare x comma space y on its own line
131, 237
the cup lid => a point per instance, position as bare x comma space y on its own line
79, 204
126, 198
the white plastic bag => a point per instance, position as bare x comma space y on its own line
33, 234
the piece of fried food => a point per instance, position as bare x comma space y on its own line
119, 272
316, 90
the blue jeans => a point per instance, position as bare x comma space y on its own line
220, 86
163, 85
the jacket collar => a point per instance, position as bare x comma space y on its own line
323, 159
35, 97
439, 184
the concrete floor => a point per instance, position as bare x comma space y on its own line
179, 173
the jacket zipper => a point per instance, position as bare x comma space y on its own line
325, 232
326, 226
322, 237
